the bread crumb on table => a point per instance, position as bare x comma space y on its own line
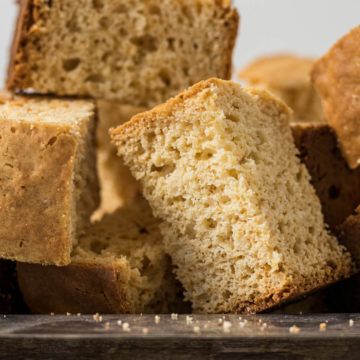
157, 319
294, 329
322, 327
351, 322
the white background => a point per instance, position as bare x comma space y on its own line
306, 27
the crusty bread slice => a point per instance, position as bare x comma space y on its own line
137, 52
118, 266
336, 185
118, 186
48, 186
288, 77
336, 77
239, 217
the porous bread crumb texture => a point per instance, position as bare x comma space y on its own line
287, 77
118, 186
119, 266
138, 52
49, 186
337, 186
336, 77
240, 220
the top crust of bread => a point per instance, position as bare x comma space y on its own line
336, 77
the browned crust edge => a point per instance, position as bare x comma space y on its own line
77, 288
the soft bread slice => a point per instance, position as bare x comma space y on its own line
49, 185
288, 77
119, 266
137, 52
239, 217
118, 186
336, 77
336, 185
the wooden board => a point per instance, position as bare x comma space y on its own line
195, 337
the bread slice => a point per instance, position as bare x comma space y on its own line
118, 186
337, 186
336, 77
11, 301
239, 217
139, 52
49, 186
118, 266
288, 77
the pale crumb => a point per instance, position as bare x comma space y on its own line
240, 318
322, 327
196, 329
174, 316
189, 320
145, 330
107, 326
227, 326
263, 326
294, 329
221, 321
157, 319
78, 314
68, 314
119, 322
126, 327
206, 326
4, 316
52, 314
97, 317
351, 322
242, 323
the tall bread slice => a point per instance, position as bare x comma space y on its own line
239, 217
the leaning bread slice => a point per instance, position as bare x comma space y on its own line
336, 185
118, 266
48, 185
288, 77
137, 52
239, 217
336, 77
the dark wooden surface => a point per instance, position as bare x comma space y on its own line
201, 337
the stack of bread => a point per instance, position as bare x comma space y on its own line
217, 200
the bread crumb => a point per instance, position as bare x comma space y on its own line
221, 321
157, 319
119, 322
242, 323
294, 329
145, 330
68, 314
78, 314
263, 327
351, 322
227, 326
97, 317
174, 316
52, 314
189, 320
196, 329
107, 325
322, 327
126, 327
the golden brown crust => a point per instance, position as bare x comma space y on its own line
336, 77
85, 288
337, 186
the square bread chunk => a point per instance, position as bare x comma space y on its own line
336, 77
48, 181
118, 186
137, 52
336, 185
288, 77
118, 266
239, 217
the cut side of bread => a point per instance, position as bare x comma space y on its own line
239, 217
49, 186
336, 77
137, 52
288, 77
118, 266
336, 185
118, 186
